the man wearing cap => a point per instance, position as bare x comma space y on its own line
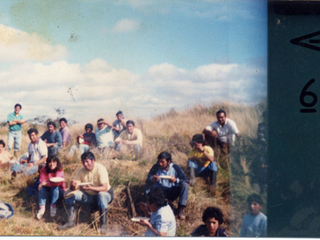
15, 120
170, 178
96, 194
104, 134
221, 134
201, 161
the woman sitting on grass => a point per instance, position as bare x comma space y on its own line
53, 169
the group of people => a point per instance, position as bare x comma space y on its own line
91, 187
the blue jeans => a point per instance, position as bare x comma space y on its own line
180, 191
19, 168
136, 147
53, 150
55, 194
198, 170
14, 137
101, 200
82, 148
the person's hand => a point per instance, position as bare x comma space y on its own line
49, 144
80, 136
87, 187
23, 161
155, 178
125, 142
30, 164
173, 179
145, 222
39, 187
74, 185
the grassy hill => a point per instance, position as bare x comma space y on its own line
171, 132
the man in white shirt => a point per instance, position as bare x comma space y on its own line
221, 134
104, 134
131, 137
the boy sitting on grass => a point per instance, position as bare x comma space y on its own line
254, 224
213, 218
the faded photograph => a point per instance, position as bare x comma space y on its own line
133, 118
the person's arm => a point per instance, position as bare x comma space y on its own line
138, 140
58, 139
102, 188
121, 137
151, 175
208, 156
210, 133
19, 121
42, 159
43, 179
180, 174
108, 124
147, 223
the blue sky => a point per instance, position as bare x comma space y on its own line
143, 57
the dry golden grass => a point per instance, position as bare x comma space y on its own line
168, 132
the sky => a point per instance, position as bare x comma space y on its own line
144, 57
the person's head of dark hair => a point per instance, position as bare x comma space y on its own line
2, 143
63, 119
55, 159
51, 123
212, 212
119, 112
221, 111
88, 125
130, 122
18, 105
165, 155
88, 155
32, 130
255, 198
156, 196
198, 138
100, 120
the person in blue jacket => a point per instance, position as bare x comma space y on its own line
170, 178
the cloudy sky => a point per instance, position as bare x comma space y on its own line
95, 57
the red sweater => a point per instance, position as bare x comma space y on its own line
44, 177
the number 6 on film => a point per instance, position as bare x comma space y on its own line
305, 93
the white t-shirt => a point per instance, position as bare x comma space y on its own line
37, 151
225, 133
104, 137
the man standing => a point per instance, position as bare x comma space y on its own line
221, 133
132, 136
104, 134
170, 178
15, 120
53, 138
119, 125
65, 132
98, 193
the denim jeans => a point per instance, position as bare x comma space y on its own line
14, 137
212, 167
101, 200
180, 191
82, 148
53, 150
55, 194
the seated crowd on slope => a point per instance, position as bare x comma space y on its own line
90, 187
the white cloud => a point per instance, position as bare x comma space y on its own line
16, 45
126, 25
96, 89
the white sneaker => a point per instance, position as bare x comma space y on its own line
40, 213
53, 211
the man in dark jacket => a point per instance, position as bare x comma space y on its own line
170, 178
